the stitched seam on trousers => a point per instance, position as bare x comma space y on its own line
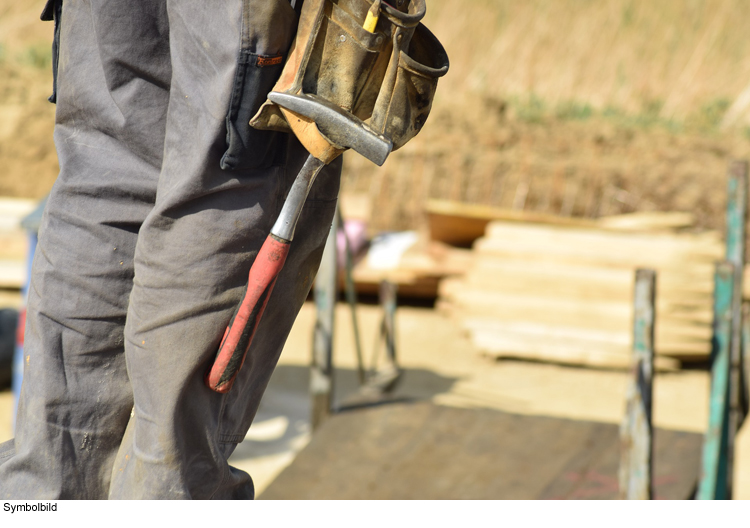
245, 32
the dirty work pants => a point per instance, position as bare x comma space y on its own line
144, 251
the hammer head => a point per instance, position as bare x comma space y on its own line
341, 128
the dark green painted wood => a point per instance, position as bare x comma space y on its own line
714, 470
737, 194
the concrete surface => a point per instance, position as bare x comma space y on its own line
441, 366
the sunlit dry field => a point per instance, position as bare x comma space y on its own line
580, 108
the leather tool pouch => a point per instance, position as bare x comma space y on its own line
386, 78
407, 92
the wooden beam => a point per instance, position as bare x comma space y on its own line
460, 224
636, 431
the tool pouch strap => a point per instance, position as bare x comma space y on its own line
369, 74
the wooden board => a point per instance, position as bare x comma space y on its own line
601, 247
12, 210
12, 274
14, 245
460, 224
13, 241
425, 451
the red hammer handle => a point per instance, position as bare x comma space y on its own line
239, 334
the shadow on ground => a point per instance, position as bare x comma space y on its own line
282, 424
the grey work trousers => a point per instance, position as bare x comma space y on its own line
162, 202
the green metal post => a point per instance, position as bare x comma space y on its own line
714, 470
636, 432
736, 220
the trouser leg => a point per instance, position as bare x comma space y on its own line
76, 397
118, 100
192, 258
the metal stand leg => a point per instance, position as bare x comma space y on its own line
351, 297
321, 372
384, 379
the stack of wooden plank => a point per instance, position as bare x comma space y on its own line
13, 241
563, 293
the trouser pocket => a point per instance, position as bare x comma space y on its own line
267, 32
52, 11
247, 147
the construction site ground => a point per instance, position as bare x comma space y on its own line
539, 114
441, 366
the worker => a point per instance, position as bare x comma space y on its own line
164, 197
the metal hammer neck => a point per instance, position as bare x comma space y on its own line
287, 220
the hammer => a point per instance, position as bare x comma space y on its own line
316, 122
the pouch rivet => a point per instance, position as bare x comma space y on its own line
342, 38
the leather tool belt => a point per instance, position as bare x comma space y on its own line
386, 77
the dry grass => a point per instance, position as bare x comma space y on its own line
570, 168
578, 107
575, 107
20, 24
678, 55
28, 162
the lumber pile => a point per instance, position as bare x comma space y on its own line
13, 241
563, 293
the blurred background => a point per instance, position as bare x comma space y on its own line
571, 142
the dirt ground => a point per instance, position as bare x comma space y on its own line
442, 366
